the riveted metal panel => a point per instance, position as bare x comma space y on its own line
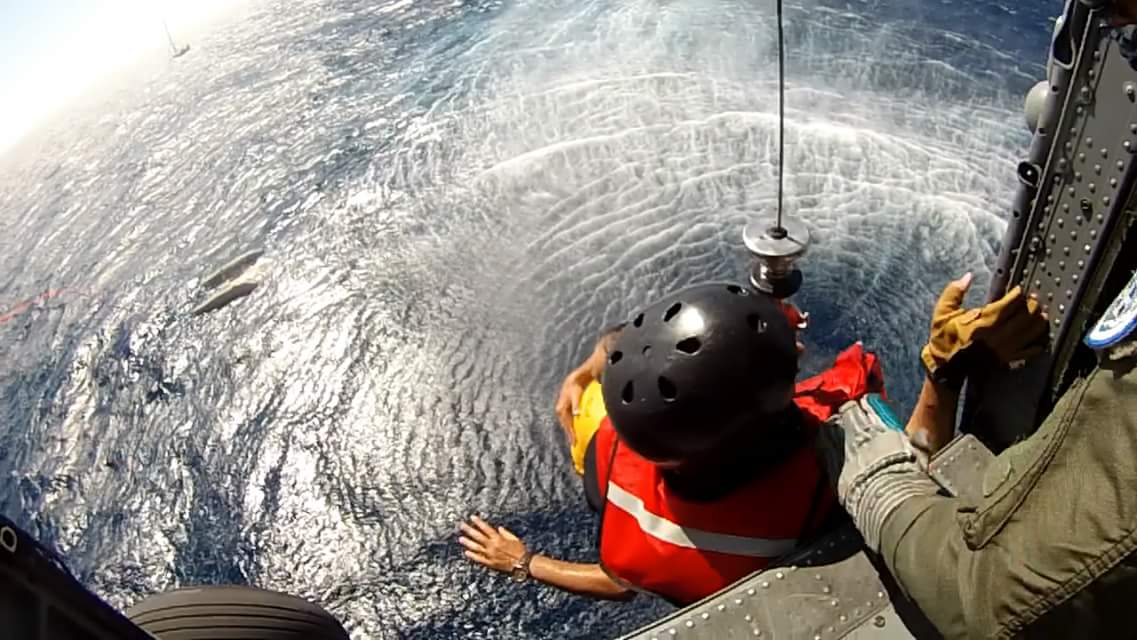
1077, 185
959, 467
825, 591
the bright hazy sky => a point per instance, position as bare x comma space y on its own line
51, 50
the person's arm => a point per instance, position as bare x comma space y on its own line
579, 578
497, 548
932, 424
568, 400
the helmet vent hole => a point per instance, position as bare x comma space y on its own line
647, 351
671, 311
639, 321
667, 389
756, 323
629, 393
737, 290
689, 345
615, 357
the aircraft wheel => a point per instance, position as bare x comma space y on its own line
236, 612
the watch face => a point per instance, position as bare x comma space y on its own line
519, 574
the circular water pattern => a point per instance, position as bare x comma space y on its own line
453, 198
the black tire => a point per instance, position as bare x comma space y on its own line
233, 613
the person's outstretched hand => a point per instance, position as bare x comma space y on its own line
1011, 329
496, 548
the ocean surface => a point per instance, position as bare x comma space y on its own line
453, 198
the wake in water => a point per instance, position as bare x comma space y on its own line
455, 199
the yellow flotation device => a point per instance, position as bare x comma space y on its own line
584, 425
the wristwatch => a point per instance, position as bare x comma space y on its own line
520, 571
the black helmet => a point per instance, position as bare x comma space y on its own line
696, 367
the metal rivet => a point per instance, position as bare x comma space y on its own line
1061, 308
1073, 235
817, 637
1133, 128
1092, 187
1075, 277
1070, 191
1061, 222
1061, 264
765, 585
833, 603
1050, 198
1069, 146
1120, 165
1069, 293
706, 615
1077, 175
1082, 263
1065, 251
738, 601
779, 575
1037, 283
829, 629
747, 617
1126, 144
1082, 156
817, 576
1050, 295
880, 594
856, 612
878, 621
1105, 153
842, 617
825, 590
1113, 182
1097, 168
690, 624
672, 631
1065, 206
1093, 233
793, 568
722, 607
757, 632
1089, 141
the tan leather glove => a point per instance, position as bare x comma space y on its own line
1007, 330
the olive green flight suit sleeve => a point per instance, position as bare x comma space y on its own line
1048, 551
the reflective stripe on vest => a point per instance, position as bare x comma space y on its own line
691, 538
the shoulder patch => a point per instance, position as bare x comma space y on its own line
1118, 321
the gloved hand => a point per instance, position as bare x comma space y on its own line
876, 468
1009, 329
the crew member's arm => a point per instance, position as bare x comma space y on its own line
497, 548
1008, 330
932, 424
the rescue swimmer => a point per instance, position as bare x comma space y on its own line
703, 422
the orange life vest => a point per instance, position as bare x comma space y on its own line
683, 550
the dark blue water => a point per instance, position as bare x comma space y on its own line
453, 198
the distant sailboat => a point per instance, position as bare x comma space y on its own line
174, 50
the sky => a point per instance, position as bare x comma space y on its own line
52, 50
